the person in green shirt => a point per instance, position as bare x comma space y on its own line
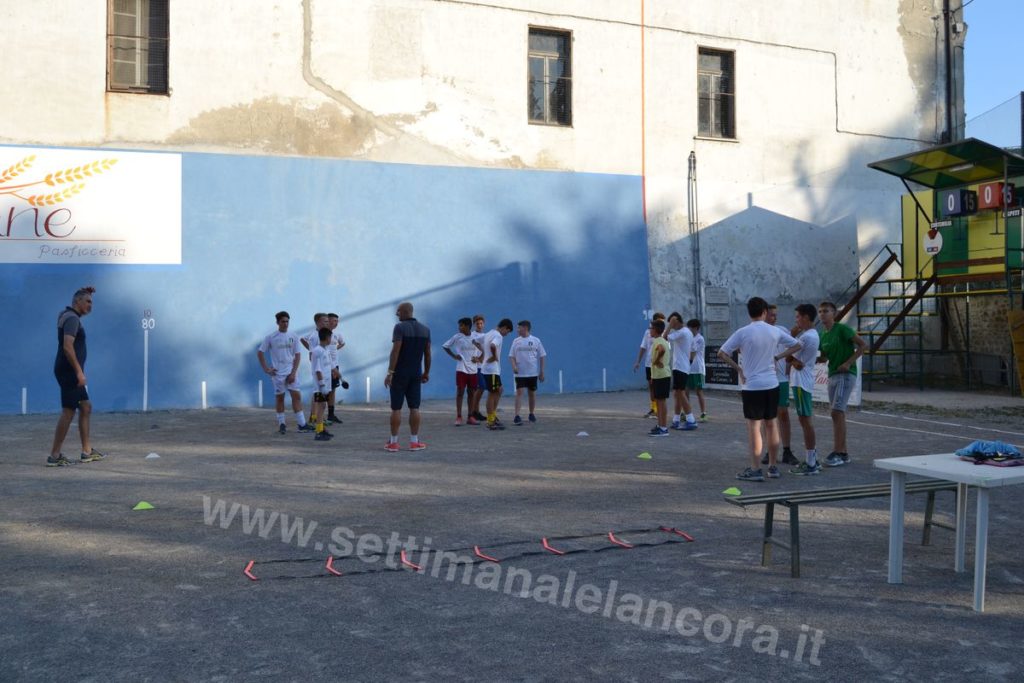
840, 346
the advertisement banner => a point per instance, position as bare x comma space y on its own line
81, 206
821, 385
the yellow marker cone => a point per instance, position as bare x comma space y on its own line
644, 456
732, 491
143, 505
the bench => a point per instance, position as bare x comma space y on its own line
794, 499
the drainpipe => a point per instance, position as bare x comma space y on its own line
948, 44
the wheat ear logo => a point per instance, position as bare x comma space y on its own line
67, 182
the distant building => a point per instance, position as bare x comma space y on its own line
506, 157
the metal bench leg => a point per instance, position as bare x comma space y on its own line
794, 541
929, 508
766, 547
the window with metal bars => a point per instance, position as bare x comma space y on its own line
137, 39
549, 90
716, 94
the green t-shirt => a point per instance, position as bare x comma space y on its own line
837, 345
666, 359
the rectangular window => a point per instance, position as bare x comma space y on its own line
716, 94
549, 93
137, 46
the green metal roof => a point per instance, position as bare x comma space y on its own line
953, 165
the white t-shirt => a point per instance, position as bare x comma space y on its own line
279, 349
697, 364
462, 346
493, 337
645, 344
320, 360
312, 340
333, 348
758, 343
780, 365
527, 352
682, 340
808, 353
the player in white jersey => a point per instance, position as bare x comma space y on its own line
528, 359
320, 363
334, 348
312, 340
681, 339
279, 357
478, 334
492, 371
467, 354
802, 381
644, 356
782, 374
695, 380
758, 343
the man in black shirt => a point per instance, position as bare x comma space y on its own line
69, 369
408, 369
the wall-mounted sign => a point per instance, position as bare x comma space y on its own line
89, 206
716, 295
717, 371
995, 195
932, 242
958, 202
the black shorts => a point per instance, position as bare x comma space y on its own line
492, 383
526, 383
762, 404
70, 393
678, 380
406, 388
335, 383
647, 372
661, 387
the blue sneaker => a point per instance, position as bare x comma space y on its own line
689, 426
517, 421
803, 469
658, 431
835, 459
750, 474
532, 418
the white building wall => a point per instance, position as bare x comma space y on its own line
822, 88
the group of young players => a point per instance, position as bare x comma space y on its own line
477, 356
280, 355
674, 355
772, 359
478, 369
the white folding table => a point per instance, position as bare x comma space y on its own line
947, 467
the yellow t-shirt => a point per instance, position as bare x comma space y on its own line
666, 359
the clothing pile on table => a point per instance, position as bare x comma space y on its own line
994, 453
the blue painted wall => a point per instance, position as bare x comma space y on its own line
566, 250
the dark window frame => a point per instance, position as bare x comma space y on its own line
551, 117
146, 50
719, 122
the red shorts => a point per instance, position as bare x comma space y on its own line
464, 379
